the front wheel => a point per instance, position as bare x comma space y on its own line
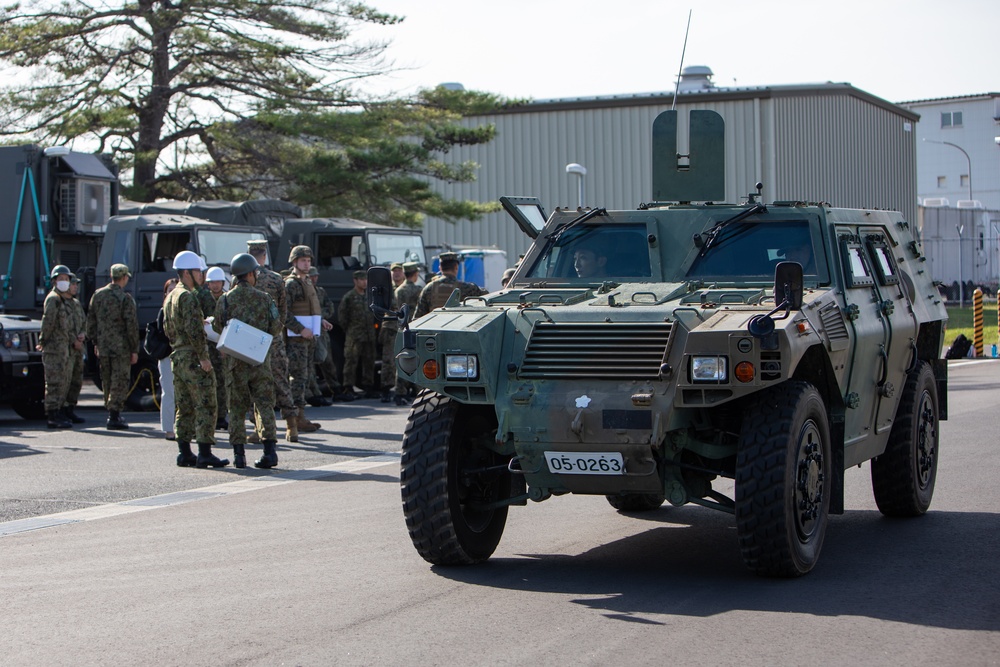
903, 475
453, 487
29, 409
783, 480
636, 502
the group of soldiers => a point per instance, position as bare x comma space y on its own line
207, 385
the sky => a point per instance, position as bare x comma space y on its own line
544, 49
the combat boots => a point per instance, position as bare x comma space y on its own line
206, 458
186, 458
115, 421
306, 426
70, 414
239, 456
270, 457
292, 429
57, 419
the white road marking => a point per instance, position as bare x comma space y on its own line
353, 466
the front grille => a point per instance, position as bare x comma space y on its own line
29, 339
607, 351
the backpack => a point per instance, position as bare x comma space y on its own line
156, 343
959, 349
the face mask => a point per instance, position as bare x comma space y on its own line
62, 285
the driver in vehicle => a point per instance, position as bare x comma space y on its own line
803, 255
590, 262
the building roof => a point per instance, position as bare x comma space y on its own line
956, 98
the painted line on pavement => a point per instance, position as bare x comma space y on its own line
351, 467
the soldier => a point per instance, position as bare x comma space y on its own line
114, 329
322, 351
303, 302
76, 353
408, 293
387, 337
54, 342
359, 331
250, 385
194, 381
273, 285
436, 293
215, 279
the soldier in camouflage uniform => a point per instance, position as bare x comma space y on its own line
436, 293
273, 285
408, 293
194, 380
249, 385
114, 330
54, 342
303, 301
76, 353
359, 331
323, 352
387, 337
208, 295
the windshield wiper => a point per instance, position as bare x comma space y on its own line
713, 233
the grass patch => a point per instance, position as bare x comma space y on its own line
960, 322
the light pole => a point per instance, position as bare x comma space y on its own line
967, 159
580, 171
961, 273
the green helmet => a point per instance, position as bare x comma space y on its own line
300, 251
242, 264
60, 270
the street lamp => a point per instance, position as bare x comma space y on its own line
961, 273
967, 159
580, 171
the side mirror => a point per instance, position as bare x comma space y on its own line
788, 285
380, 292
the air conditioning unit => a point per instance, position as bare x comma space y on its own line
935, 202
84, 206
969, 203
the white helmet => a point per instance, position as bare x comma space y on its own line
186, 259
215, 273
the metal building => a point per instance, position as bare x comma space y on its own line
826, 142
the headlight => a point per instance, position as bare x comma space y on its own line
709, 369
461, 366
12, 340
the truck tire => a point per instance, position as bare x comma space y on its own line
903, 475
446, 478
783, 480
29, 409
636, 502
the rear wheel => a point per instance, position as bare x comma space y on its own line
783, 480
903, 475
636, 502
29, 409
453, 487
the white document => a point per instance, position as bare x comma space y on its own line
311, 322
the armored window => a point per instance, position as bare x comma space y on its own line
595, 253
751, 250
856, 266
885, 266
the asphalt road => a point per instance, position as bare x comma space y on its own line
112, 555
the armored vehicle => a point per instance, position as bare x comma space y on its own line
739, 357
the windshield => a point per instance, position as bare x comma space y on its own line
219, 247
752, 249
388, 248
595, 253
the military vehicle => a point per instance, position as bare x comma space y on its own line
735, 356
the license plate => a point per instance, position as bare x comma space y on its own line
585, 463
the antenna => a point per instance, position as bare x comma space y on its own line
680, 69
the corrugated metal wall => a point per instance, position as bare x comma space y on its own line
834, 148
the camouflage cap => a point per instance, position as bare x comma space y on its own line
450, 257
119, 271
360, 274
411, 267
395, 265
313, 271
300, 251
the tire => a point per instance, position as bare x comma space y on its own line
783, 481
636, 502
30, 410
903, 475
445, 477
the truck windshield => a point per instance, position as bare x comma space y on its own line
219, 246
388, 248
752, 249
595, 253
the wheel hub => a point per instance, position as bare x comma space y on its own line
925, 441
809, 479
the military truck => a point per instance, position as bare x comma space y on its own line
739, 357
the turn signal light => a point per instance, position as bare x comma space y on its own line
744, 371
430, 369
